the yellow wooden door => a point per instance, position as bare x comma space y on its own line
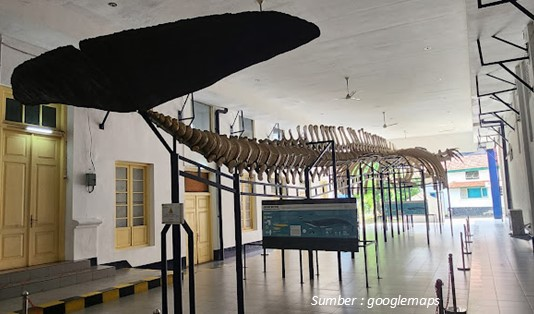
14, 215
191, 219
204, 252
29, 213
197, 215
44, 200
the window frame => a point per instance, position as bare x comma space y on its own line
196, 115
473, 175
248, 187
23, 122
132, 231
248, 132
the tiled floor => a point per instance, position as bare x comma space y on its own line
501, 279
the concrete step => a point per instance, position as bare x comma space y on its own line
50, 276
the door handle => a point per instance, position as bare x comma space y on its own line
32, 220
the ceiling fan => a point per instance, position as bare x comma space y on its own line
385, 125
350, 94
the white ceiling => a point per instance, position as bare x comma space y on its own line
409, 58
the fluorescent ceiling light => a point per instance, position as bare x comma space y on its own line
38, 130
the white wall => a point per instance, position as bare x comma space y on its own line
463, 141
126, 138
521, 161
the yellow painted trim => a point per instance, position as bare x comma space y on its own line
90, 294
124, 285
110, 295
50, 304
141, 287
74, 305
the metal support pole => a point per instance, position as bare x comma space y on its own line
191, 275
375, 221
238, 245
300, 267
264, 260
506, 168
426, 207
339, 265
364, 232
401, 196
164, 296
390, 207
396, 202
307, 182
438, 199
317, 262
310, 263
334, 171
349, 195
283, 263
449, 199
176, 235
384, 218
220, 254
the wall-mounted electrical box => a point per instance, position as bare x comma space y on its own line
90, 181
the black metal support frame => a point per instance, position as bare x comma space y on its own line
176, 232
181, 111
241, 124
513, 2
390, 207
375, 218
102, 125
395, 194
384, 218
426, 207
501, 63
364, 231
220, 255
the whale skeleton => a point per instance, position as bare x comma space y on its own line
293, 154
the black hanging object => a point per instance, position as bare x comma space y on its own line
142, 68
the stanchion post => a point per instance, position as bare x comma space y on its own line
467, 250
439, 294
469, 234
463, 268
453, 286
25, 302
